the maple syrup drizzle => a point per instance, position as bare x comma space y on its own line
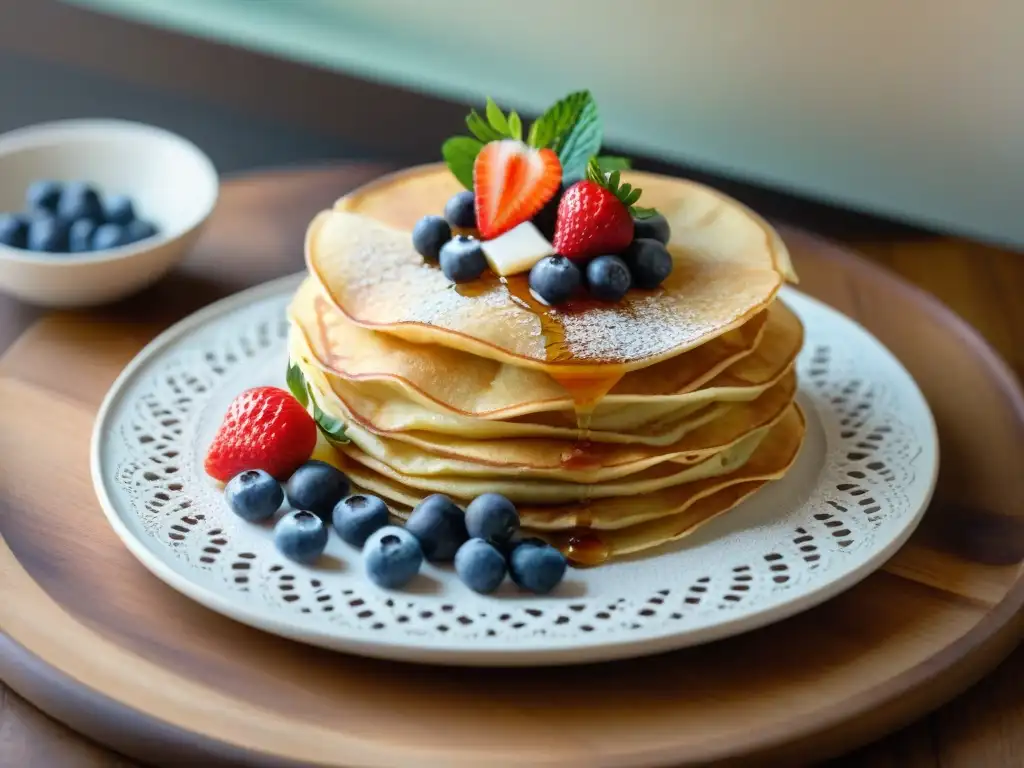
473, 288
583, 455
585, 389
584, 516
584, 549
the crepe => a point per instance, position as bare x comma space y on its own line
387, 406
728, 267
568, 459
772, 458
485, 388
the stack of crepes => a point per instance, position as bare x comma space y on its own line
613, 427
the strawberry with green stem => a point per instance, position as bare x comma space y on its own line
595, 216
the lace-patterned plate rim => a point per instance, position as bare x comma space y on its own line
862, 482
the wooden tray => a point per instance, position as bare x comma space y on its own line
97, 642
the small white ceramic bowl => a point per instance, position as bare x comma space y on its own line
171, 182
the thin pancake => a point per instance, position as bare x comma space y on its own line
573, 460
485, 388
729, 265
459, 483
382, 406
770, 461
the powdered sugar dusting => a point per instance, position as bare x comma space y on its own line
722, 275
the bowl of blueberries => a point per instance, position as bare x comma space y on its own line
92, 211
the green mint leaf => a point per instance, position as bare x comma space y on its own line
496, 117
609, 163
297, 384
642, 213
538, 134
515, 126
479, 128
460, 154
553, 127
333, 428
582, 143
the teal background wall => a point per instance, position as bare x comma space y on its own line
910, 109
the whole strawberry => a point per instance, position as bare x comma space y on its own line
595, 216
265, 428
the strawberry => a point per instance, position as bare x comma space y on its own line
265, 428
512, 182
595, 216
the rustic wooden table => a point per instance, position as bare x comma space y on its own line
981, 728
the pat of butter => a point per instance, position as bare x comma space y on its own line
517, 250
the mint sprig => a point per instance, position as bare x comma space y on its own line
551, 129
497, 118
627, 193
481, 128
571, 127
582, 143
333, 428
460, 154
297, 384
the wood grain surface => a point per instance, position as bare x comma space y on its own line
938, 616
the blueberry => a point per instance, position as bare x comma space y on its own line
109, 236
460, 210
356, 517
491, 517
546, 218
43, 195
47, 234
536, 567
392, 557
555, 279
318, 487
462, 259
79, 200
649, 262
653, 227
608, 278
300, 536
480, 566
13, 230
118, 209
254, 495
138, 230
80, 236
508, 547
439, 525
429, 236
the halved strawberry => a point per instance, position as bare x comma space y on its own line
512, 182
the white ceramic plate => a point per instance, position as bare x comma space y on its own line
858, 489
